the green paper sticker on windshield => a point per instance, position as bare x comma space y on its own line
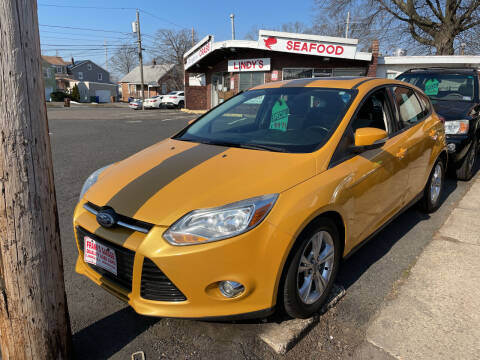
279, 119
431, 87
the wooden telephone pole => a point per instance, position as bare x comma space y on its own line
34, 320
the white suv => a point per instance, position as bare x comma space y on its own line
174, 99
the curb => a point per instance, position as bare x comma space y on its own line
199, 112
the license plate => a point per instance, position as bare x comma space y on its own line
100, 255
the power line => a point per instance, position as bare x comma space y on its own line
162, 19
86, 7
84, 29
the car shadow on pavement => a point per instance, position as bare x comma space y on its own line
109, 335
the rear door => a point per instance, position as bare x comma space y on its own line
415, 124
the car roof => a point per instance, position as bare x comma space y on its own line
441, 70
339, 82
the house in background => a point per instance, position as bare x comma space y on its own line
62, 77
92, 81
49, 81
158, 79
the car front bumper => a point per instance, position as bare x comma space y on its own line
458, 146
254, 259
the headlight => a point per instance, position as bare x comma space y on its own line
91, 180
456, 127
207, 225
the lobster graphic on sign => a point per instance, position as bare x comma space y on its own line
270, 41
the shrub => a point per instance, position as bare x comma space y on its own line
58, 96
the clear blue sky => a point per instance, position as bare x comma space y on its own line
207, 17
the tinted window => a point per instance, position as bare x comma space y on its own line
443, 86
427, 105
409, 108
373, 112
283, 119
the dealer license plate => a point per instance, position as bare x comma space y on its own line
100, 255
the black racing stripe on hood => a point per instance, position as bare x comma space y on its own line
299, 82
132, 197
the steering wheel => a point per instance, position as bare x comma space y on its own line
318, 128
455, 94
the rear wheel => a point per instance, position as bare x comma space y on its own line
312, 270
432, 194
466, 169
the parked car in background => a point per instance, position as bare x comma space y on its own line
154, 102
455, 96
135, 104
252, 206
174, 99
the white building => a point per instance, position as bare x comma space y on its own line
391, 66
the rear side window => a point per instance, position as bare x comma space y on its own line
425, 102
409, 108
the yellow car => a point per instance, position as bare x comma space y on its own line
253, 205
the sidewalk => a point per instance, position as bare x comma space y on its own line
435, 313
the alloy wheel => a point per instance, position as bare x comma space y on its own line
315, 267
436, 183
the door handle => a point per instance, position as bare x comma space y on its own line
401, 153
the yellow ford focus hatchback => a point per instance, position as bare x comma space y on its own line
254, 205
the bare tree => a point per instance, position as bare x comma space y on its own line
433, 24
170, 46
124, 60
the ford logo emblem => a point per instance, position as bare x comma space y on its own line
107, 218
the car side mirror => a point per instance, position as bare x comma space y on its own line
369, 138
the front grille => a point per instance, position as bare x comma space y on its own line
124, 221
124, 256
157, 286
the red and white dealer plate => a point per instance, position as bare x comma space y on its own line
100, 255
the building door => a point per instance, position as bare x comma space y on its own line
217, 86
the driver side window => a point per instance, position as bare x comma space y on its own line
374, 112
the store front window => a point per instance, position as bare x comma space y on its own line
251, 79
306, 73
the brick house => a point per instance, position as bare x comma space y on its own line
158, 79
215, 71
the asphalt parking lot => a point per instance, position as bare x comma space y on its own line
85, 139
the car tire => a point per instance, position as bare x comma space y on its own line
308, 282
181, 104
467, 167
432, 194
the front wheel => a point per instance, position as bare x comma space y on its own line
181, 104
467, 168
312, 270
433, 191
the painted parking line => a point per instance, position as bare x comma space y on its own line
133, 121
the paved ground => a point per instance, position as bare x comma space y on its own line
84, 139
434, 314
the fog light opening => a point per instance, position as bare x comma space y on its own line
451, 148
230, 289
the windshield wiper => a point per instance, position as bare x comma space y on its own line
261, 147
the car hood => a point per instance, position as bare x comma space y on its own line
165, 181
453, 110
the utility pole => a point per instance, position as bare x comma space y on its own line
34, 321
348, 23
140, 58
232, 19
106, 54
193, 36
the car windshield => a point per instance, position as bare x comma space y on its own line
297, 120
443, 86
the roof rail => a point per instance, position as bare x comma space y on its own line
443, 68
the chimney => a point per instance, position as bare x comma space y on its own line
73, 61
154, 62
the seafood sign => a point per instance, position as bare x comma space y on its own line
308, 46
